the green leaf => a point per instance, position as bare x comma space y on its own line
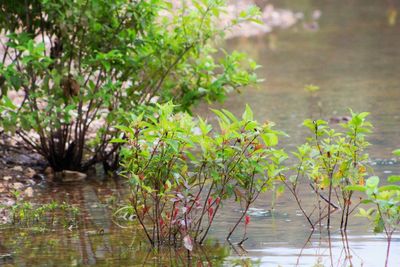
372, 182
363, 212
248, 114
311, 88
7, 103
270, 139
118, 140
280, 190
359, 188
221, 116
309, 124
379, 226
363, 115
366, 201
391, 187
396, 152
124, 129
230, 115
394, 178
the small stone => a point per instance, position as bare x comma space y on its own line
12, 142
48, 171
7, 178
2, 188
5, 257
38, 177
28, 192
17, 168
29, 172
30, 182
71, 176
8, 202
17, 186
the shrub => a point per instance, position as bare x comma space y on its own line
81, 65
181, 171
330, 161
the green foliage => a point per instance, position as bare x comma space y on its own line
78, 63
47, 215
181, 171
331, 161
311, 88
385, 213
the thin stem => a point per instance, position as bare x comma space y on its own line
389, 241
238, 221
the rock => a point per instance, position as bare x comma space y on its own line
334, 120
31, 159
2, 188
7, 178
48, 170
38, 177
17, 168
17, 186
28, 192
8, 202
29, 172
6, 257
341, 119
49, 173
70, 176
30, 182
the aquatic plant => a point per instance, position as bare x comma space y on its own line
385, 213
181, 171
46, 214
80, 66
330, 161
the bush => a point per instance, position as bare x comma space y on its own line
331, 161
81, 65
180, 171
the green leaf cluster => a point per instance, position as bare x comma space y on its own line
385, 200
171, 158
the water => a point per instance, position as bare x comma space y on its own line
354, 57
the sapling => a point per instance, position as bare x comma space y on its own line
331, 160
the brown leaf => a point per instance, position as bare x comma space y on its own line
70, 86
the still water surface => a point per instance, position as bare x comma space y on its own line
354, 57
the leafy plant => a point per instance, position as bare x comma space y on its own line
385, 213
181, 171
331, 161
48, 214
80, 66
